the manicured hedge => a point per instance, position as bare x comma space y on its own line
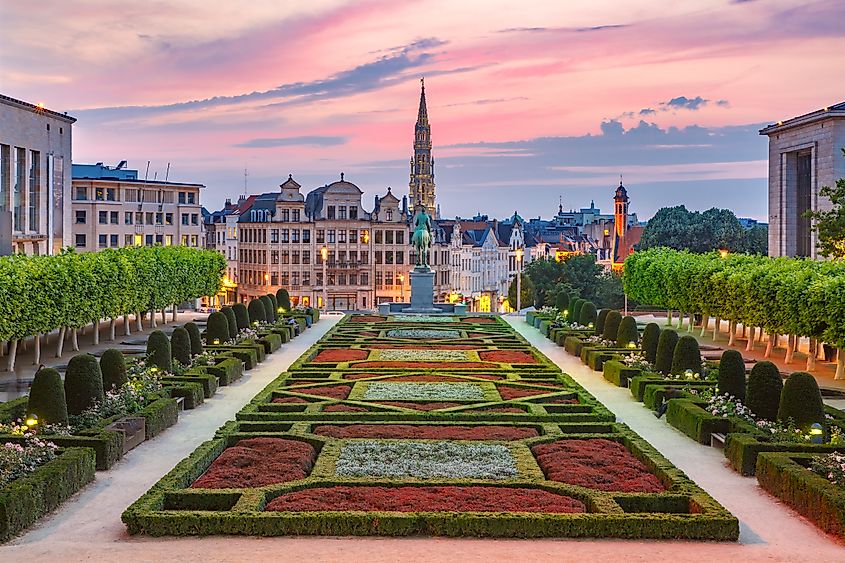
618, 373
742, 449
689, 417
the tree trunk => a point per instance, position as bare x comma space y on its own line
704, 322
2, 348
749, 346
36, 359
669, 317
716, 326
139, 325
74, 340
691, 322
126, 330
811, 355
769, 345
111, 329
60, 346
743, 330
732, 330
96, 326
790, 348
840, 364
23, 344
175, 311
153, 319
164, 315
13, 352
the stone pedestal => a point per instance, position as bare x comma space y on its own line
422, 292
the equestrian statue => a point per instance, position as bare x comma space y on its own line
421, 239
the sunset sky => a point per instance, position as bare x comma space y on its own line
528, 101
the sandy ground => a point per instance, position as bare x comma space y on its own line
88, 527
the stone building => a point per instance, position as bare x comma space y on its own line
221, 234
422, 164
805, 153
112, 208
35, 178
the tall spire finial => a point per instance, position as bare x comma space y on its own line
422, 115
620, 178
560, 205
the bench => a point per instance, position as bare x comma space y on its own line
717, 440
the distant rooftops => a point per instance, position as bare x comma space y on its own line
119, 173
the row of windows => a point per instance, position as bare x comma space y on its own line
390, 256
335, 280
133, 195
340, 212
113, 240
250, 256
136, 218
286, 279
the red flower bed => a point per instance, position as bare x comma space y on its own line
437, 346
419, 406
340, 355
599, 464
507, 356
426, 432
344, 408
334, 392
424, 365
508, 393
560, 401
366, 319
479, 320
422, 378
425, 499
503, 410
290, 400
258, 462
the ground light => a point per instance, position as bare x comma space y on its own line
816, 433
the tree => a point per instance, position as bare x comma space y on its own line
830, 225
527, 298
681, 229
578, 273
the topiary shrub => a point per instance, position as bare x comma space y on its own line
196, 338
562, 301
762, 392
283, 298
275, 303
256, 311
627, 332
801, 401
588, 314
113, 368
576, 309
686, 356
665, 351
230, 318
47, 398
84, 383
611, 325
651, 335
217, 329
573, 298
241, 316
180, 346
600, 319
158, 350
269, 311
731, 380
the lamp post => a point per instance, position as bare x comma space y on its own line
402, 286
324, 253
519, 252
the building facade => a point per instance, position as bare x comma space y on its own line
805, 153
35, 178
112, 208
422, 163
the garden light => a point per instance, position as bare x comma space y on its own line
217, 341
816, 433
723, 252
32, 420
632, 344
590, 325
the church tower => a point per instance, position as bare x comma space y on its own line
620, 212
422, 164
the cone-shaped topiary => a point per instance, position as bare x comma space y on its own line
113, 368
233, 323
651, 335
686, 356
275, 303
283, 298
611, 325
731, 379
600, 319
84, 383
576, 309
762, 393
241, 316
573, 298
562, 301
180, 346
217, 329
158, 350
801, 401
256, 311
196, 338
588, 314
665, 350
627, 332
47, 398
269, 312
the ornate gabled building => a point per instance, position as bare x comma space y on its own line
422, 164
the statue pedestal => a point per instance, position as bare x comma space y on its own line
422, 292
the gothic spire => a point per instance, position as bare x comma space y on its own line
422, 115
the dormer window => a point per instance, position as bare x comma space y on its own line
389, 215
330, 212
353, 211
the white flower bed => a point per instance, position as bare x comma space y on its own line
422, 333
423, 355
423, 391
425, 459
421, 319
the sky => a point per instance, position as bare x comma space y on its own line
530, 103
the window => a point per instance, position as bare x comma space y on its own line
365, 236
34, 189
321, 236
353, 257
319, 278
306, 235
285, 278
330, 236
378, 277
168, 240
294, 235
341, 235
195, 219
378, 256
379, 237
184, 218
159, 218
341, 212
130, 195
388, 257
182, 198
353, 235
139, 218
274, 235
365, 278
274, 256
365, 257
390, 215
113, 240
388, 237
80, 194
127, 240
294, 278
114, 217
285, 215
127, 218
306, 278
80, 241
388, 278
330, 280
81, 217
295, 257
285, 257
159, 239
184, 239
341, 279
400, 257
330, 212
353, 279
103, 241
285, 235
191, 198
103, 217
274, 278
353, 212
168, 218
296, 215
195, 240
306, 256
400, 237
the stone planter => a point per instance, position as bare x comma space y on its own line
133, 429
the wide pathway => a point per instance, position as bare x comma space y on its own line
88, 528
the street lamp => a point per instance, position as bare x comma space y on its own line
324, 253
402, 286
519, 252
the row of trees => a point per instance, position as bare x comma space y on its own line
681, 229
782, 296
39, 294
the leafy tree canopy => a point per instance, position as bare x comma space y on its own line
681, 229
